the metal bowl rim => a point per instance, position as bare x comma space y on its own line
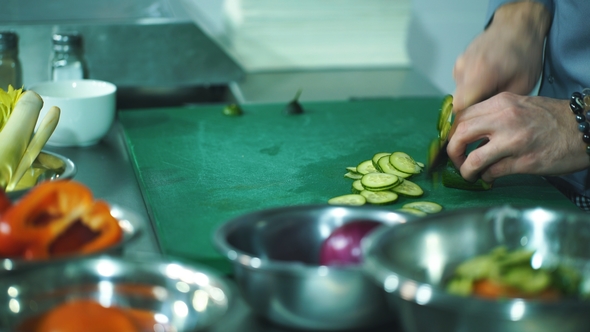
69, 172
374, 268
244, 259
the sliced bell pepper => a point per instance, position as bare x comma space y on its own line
57, 218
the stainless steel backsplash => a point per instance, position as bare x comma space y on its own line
132, 43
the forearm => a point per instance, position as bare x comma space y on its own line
524, 17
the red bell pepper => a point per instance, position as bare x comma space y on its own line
57, 218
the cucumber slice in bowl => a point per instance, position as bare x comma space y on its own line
350, 199
404, 163
379, 181
379, 197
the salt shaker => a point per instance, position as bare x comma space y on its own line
67, 62
10, 66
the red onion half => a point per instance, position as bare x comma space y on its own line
343, 246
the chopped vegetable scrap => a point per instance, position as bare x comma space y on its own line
294, 107
510, 274
382, 179
57, 218
233, 110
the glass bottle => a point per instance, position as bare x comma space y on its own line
10, 66
67, 62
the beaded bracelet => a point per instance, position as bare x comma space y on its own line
578, 105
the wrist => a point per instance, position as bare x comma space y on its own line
529, 17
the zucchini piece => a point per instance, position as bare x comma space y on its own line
379, 197
404, 163
351, 169
376, 158
444, 131
446, 111
357, 187
379, 181
479, 267
386, 167
412, 211
350, 199
424, 206
366, 167
233, 110
451, 178
408, 188
526, 279
460, 286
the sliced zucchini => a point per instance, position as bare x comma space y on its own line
444, 131
428, 207
357, 187
379, 181
351, 169
350, 199
407, 188
366, 167
446, 111
376, 158
379, 197
413, 211
354, 176
404, 163
386, 167
451, 178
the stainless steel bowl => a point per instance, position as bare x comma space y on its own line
412, 263
131, 224
47, 166
179, 296
275, 255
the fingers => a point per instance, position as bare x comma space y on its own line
469, 129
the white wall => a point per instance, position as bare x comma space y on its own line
439, 32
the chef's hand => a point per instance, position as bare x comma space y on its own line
523, 135
507, 56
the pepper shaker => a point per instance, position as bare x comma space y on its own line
67, 62
10, 66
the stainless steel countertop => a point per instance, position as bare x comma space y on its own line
107, 169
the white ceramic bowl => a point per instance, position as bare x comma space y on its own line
87, 110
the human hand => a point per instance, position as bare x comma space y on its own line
507, 56
522, 135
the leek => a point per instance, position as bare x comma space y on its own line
18, 115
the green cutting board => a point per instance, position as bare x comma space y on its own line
198, 167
